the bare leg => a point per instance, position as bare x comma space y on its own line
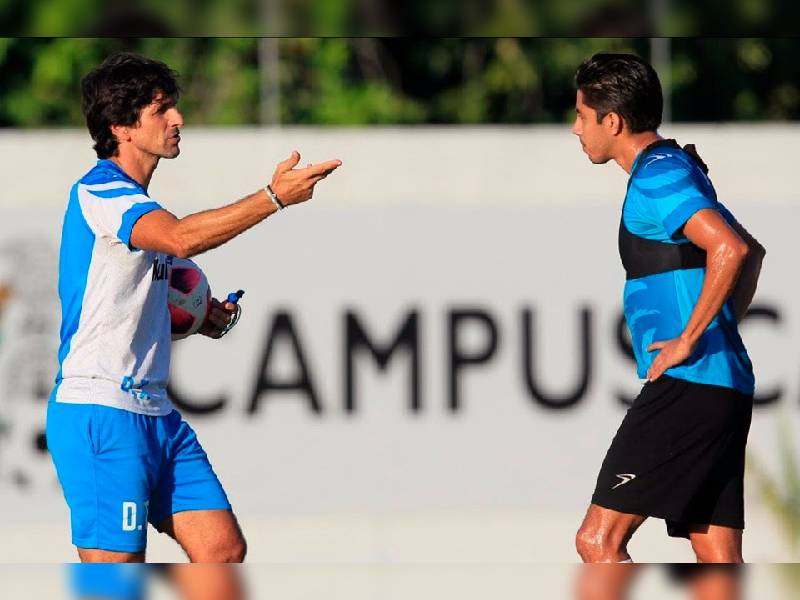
604, 534
92, 555
207, 582
717, 582
716, 544
604, 582
207, 536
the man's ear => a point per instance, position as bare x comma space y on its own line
121, 133
614, 123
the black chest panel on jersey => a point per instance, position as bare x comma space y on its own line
641, 256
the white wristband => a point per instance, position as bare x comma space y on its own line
274, 198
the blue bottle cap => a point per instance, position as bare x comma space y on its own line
234, 297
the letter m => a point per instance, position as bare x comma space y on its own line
356, 338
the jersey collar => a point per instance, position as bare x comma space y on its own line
109, 164
669, 142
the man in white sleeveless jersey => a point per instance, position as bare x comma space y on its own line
123, 454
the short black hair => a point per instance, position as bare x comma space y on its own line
624, 84
115, 92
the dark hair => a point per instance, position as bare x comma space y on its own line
624, 84
115, 92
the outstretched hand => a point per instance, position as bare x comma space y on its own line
219, 317
673, 352
297, 185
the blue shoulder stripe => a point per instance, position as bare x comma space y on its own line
118, 192
129, 219
664, 190
99, 175
682, 213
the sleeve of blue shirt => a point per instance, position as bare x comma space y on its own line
129, 218
672, 192
113, 212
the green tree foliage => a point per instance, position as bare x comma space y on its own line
747, 79
362, 81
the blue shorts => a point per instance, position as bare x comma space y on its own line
108, 581
120, 470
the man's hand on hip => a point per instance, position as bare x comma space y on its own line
293, 186
673, 352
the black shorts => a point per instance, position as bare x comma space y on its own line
679, 456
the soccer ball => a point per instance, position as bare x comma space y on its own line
188, 299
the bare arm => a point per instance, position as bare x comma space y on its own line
162, 231
726, 253
745, 289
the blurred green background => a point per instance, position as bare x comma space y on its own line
394, 80
366, 81
488, 79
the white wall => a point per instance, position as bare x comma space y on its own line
447, 166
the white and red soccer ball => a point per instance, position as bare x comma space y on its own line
189, 298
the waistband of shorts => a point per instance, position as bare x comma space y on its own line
699, 385
84, 390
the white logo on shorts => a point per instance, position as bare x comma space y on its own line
129, 521
625, 477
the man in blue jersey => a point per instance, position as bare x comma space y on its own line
691, 272
123, 454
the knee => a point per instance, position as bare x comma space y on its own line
718, 555
235, 551
231, 550
588, 544
595, 546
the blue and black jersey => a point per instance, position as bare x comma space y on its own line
665, 271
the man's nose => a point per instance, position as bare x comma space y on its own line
176, 118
